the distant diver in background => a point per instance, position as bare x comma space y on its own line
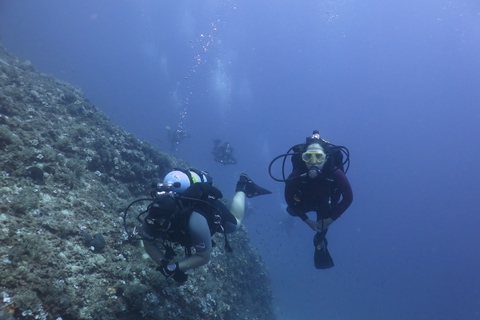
317, 184
176, 137
223, 153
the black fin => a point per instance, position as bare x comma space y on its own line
255, 190
322, 257
246, 185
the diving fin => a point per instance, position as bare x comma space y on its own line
246, 185
322, 257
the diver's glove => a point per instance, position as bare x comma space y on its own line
171, 270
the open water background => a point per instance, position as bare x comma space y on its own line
397, 82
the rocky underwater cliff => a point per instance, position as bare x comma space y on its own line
67, 175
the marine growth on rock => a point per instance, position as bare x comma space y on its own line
67, 174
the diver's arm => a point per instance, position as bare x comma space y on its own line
324, 224
314, 225
194, 261
291, 187
201, 240
154, 251
342, 184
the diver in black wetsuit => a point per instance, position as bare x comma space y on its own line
317, 184
188, 212
223, 153
176, 137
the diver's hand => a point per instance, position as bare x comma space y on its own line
168, 268
319, 226
171, 270
326, 223
315, 225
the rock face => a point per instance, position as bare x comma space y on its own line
67, 174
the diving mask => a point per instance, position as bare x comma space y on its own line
314, 156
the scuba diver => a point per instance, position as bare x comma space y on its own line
185, 209
317, 184
176, 137
223, 153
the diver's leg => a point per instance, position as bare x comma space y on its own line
238, 205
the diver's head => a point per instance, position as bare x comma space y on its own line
181, 180
314, 156
177, 176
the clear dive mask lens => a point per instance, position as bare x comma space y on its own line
316, 156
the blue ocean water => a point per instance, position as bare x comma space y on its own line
397, 82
